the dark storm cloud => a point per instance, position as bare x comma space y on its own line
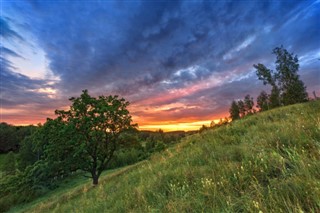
116, 46
90, 43
142, 48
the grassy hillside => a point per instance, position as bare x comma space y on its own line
269, 162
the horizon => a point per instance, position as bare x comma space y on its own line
179, 64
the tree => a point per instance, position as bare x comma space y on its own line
27, 155
59, 145
248, 105
234, 110
263, 101
203, 128
212, 124
274, 98
242, 109
8, 138
9, 164
223, 121
92, 127
285, 81
287, 66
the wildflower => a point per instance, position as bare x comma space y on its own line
206, 182
255, 204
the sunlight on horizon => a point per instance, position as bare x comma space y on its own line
183, 126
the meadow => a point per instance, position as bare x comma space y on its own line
267, 162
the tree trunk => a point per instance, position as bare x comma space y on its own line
95, 179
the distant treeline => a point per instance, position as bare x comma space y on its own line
12, 136
30, 172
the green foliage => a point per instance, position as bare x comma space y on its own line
263, 101
130, 139
241, 108
160, 146
234, 110
25, 186
214, 125
266, 75
9, 164
248, 105
274, 98
24, 131
150, 145
92, 127
51, 144
46, 161
287, 88
268, 162
126, 157
287, 66
27, 153
203, 128
11, 136
8, 139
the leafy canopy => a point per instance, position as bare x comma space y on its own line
89, 131
287, 88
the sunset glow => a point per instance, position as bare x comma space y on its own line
175, 127
178, 63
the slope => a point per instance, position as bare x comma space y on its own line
268, 162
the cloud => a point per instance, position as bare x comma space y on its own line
6, 31
21, 96
159, 53
7, 52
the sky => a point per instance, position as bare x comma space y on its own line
179, 63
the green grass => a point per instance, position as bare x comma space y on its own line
269, 162
70, 187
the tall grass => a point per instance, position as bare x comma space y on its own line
269, 162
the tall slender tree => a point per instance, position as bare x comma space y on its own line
263, 101
234, 110
287, 88
249, 105
242, 109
